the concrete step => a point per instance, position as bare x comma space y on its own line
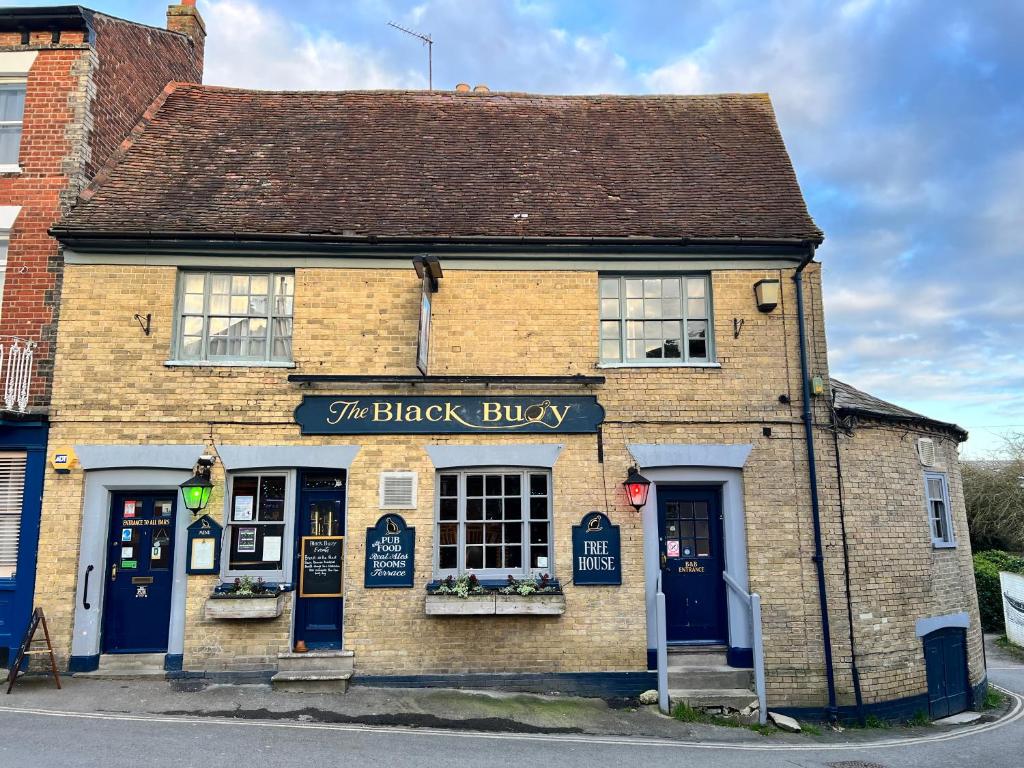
316, 661
308, 682
686, 660
717, 676
128, 666
698, 698
684, 649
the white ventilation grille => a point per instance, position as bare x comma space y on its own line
12, 490
926, 450
398, 490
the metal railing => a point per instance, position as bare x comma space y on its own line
16, 358
753, 602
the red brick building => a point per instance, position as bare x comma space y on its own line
73, 85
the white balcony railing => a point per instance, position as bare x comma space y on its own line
16, 358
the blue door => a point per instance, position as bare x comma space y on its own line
692, 561
140, 563
945, 660
320, 512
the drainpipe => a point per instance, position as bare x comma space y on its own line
812, 473
854, 669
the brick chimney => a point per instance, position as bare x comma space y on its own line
185, 18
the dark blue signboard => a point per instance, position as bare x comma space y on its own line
390, 553
203, 546
373, 415
596, 555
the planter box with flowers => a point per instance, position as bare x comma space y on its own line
245, 599
466, 596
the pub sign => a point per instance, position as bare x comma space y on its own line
596, 551
419, 415
390, 553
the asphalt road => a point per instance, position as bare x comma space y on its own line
82, 740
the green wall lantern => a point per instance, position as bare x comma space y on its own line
195, 492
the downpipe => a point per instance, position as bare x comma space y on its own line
832, 710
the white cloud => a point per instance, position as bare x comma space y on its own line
252, 46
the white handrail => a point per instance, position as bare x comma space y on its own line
17, 378
662, 643
753, 602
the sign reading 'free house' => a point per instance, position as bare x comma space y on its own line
372, 415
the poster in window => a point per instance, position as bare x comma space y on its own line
672, 548
246, 540
163, 508
129, 508
243, 509
271, 548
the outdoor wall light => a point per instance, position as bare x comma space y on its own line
766, 292
636, 486
195, 491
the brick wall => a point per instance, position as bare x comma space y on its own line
489, 322
81, 101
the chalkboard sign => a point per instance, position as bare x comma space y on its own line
322, 560
596, 551
390, 552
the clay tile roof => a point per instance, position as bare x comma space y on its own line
850, 400
417, 164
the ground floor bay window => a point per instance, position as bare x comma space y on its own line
493, 523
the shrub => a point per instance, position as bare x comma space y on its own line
987, 566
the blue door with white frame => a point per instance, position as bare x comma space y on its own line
320, 513
140, 572
692, 554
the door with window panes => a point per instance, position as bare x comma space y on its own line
690, 539
494, 523
320, 515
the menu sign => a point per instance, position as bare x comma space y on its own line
390, 553
322, 561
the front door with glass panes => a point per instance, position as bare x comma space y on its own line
692, 557
140, 561
320, 516
494, 523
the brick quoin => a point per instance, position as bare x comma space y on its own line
84, 94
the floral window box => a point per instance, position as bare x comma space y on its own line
531, 605
452, 605
466, 596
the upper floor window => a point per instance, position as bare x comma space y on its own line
12, 111
939, 516
656, 320
231, 317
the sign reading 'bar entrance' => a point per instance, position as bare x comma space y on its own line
372, 415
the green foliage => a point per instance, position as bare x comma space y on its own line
993, 699
684, 713
987, 566
462, 587
874, 721
1014, 650
920, 718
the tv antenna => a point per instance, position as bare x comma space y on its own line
430, 51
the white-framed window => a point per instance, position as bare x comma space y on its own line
235, 317
940, 519
12, 114
12, 493
258, 525
493, 522
656, 320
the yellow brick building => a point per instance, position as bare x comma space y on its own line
598, 287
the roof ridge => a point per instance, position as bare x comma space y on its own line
104, 172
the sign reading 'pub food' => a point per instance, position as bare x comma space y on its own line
596, 555
390, 553
372, 415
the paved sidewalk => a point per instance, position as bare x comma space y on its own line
418, 708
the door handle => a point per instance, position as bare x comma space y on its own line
664, 561
113, 572
85, 590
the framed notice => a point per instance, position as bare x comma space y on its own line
322, 561
246, 539
203, 546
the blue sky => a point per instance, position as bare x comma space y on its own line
905, 121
